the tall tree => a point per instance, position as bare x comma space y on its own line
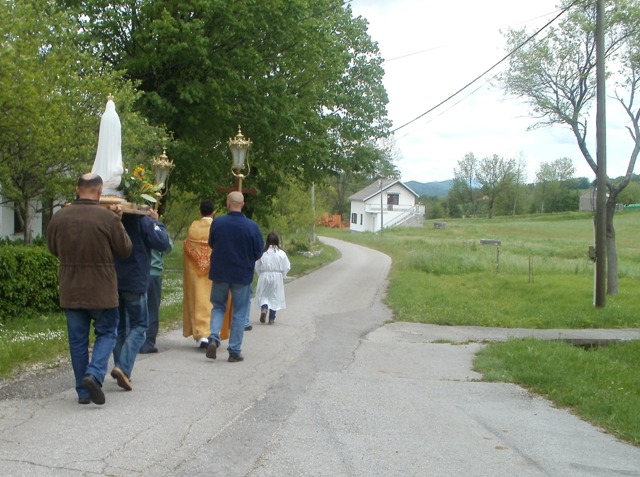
552, 184
51, 99
555, 75
465, 183
513, 199
495, 174
631, 195
302, 78
46, 93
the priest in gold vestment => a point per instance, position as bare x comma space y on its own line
196, 304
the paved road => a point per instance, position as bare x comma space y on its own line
333, 389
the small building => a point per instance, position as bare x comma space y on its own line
11, 227
385, 203
587, 200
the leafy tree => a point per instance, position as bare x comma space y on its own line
47, 93
293, 216
178, 210
556, 77
51, 99
435, 208
552, 184
465, 185
514, 197
579, 183
495, 175
631, 194
301, 77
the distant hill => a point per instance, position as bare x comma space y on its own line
439, 189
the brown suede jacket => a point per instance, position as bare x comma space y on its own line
85, 237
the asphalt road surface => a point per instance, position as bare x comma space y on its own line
334, 388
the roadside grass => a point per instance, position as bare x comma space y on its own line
600, 384
539, 277
40, 342
30, 341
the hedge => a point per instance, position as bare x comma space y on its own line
28, 281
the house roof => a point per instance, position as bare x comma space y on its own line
374, 189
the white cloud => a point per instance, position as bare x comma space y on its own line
453, 43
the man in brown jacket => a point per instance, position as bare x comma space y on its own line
85, 237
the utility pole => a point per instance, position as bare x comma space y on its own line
600, 286
381, 207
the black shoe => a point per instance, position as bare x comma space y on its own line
263, 316
211, 349
84, 400
248, 328
149, 350
235, 357
203, 345
92, 385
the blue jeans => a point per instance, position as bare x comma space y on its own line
105, 323
154, 296
247, 320
132, 329
240, 295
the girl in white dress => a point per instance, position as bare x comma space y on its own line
272, 267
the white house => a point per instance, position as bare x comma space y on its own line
10, 227
385, 203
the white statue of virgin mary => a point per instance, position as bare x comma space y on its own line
108, 162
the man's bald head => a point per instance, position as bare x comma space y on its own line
89, 186
235, 201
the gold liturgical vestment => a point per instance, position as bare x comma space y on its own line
196, 301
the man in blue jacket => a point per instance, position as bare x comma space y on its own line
146, 233
236, 243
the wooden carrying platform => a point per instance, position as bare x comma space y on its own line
127, 207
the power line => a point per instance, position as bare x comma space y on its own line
412, 54
426, 50
507, 56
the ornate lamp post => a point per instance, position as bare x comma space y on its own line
239, 150
162, 167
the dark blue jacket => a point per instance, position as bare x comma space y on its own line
236, 243
145, 234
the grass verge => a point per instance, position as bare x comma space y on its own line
600, 384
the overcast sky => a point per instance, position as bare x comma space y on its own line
432, 49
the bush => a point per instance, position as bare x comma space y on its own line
297, 245
28, 280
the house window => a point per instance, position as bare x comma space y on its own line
392, 199
354, 218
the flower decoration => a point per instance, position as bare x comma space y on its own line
137, 189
